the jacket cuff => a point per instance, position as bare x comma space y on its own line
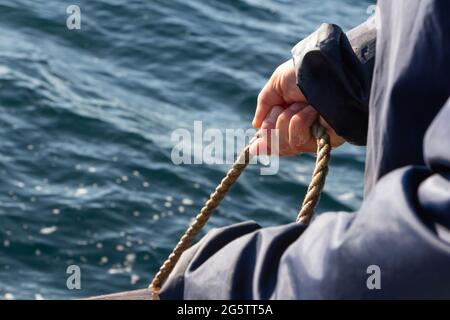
335, 76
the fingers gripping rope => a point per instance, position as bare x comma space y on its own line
306, 212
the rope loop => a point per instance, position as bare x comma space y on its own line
304, 216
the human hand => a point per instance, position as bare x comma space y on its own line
281, 105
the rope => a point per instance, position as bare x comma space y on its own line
319, 174
306, 212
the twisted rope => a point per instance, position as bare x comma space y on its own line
319, 174
307, 210
200, 220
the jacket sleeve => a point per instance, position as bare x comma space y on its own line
401, 231
334, 72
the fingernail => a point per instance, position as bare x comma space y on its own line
273, 116
310, 110
295, 107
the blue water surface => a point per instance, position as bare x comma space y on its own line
86, 117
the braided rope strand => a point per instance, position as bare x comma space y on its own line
319, 174
307, 210
200, 220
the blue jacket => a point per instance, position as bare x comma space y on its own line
395, 99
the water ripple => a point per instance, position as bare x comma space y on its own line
86, 118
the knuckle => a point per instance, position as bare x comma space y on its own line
262, 96
297, 120
278, 69
282, 119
